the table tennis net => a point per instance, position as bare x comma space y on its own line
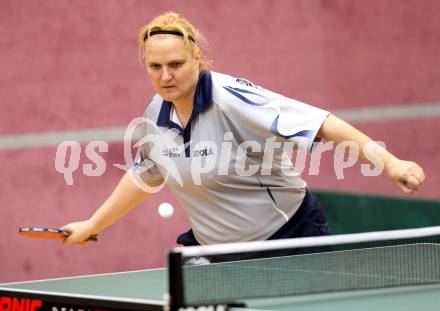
328, 264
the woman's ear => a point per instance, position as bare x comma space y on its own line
197, 55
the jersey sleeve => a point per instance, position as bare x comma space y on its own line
145, 169
261, 113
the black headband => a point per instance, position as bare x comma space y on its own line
169, 32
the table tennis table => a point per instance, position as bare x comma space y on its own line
400, 274
145, 290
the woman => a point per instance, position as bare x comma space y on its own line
223, 141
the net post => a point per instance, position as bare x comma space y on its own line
175, 280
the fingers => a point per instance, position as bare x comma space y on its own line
407, 188
411, 183
78, 233
409, 176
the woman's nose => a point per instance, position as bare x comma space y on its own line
166, 74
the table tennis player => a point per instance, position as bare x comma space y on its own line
213, 114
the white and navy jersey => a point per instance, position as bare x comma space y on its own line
230, 167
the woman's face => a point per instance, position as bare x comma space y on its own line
171, 67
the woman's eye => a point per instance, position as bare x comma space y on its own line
155, 66
175, 65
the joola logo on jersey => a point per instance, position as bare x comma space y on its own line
202, 152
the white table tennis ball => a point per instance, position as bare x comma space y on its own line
166, 210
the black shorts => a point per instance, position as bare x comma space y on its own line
309, 220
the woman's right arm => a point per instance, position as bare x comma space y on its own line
123, 199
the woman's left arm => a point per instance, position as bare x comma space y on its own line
407, 175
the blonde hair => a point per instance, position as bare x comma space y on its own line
171, 21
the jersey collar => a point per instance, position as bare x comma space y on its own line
202, 100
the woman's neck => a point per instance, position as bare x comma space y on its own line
184, 106
184, 109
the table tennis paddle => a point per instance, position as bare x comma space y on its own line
48, 233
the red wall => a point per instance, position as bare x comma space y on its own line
68, 65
